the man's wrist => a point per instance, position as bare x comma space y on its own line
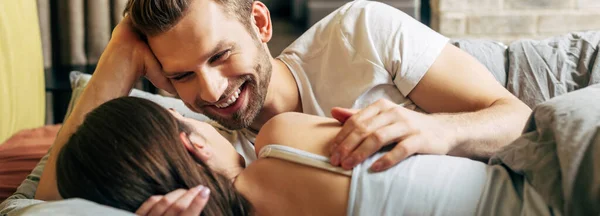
119, 63
452, 133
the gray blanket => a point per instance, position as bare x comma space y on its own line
559, 152
536, 71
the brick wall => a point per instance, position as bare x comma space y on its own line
508, 20
317, 9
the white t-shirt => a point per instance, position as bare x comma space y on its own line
362, 52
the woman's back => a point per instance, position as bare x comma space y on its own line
278, 187
420, 185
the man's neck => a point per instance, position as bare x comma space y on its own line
282, 95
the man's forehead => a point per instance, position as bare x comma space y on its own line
202, 30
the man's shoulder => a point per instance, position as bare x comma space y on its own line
367, 10
348, 21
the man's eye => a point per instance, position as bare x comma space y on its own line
180, 77
221, 55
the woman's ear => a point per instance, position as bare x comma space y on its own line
197, 150
261, 18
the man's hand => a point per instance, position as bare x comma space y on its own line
384, 123
144, 62
126, 59
179, 202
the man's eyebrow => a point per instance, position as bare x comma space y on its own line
220, 46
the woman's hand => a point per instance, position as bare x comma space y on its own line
179, 202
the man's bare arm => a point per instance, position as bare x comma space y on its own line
481, 114
472, 116
124, 61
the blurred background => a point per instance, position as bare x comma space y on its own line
75, 32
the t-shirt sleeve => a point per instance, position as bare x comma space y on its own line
393, 40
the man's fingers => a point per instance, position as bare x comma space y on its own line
354, 122
360, 116
198, 203
154, 72
145, 208
342, 114
184, 201
400, 152
360, 129
359, 135
374, 142
161, 206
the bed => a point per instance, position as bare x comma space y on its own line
540, 73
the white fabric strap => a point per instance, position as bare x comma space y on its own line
301, 157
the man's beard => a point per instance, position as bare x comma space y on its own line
256, 95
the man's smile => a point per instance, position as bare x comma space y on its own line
231, 104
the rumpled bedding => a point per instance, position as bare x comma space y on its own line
556, 152
559, 152
536, 71
541, 70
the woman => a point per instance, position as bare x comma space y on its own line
144, 150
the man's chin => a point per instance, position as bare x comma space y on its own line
234, 122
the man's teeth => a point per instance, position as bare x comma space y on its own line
232, 99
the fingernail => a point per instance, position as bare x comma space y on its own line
205, 193
335, 159
349, 163
376, 167
198, 188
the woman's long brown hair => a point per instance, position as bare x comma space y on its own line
127, 150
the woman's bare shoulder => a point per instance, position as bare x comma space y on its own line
301, 131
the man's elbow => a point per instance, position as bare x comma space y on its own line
515, 116
519, 109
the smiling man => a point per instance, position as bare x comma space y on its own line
216, 61
396, 80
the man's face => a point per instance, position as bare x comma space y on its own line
218, 67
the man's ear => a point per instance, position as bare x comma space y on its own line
261, 18
197, 150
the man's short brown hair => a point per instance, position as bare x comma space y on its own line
152, 17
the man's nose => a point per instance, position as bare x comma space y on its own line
212, 85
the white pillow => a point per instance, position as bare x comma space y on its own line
79, 81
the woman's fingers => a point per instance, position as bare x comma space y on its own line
147, 206
184, 201
198, 203
161, 206
179, 202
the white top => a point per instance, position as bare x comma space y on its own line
362, 52
419, 185
301, 157
427, 185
